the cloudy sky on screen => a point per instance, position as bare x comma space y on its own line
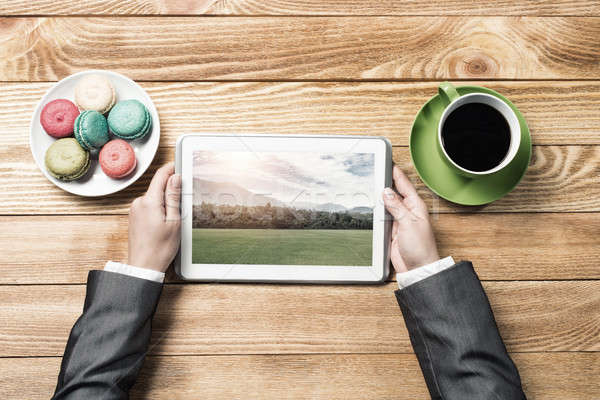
342, 178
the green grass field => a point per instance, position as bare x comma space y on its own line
282, 246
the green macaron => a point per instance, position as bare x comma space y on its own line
129, 119
66, 160
91, 130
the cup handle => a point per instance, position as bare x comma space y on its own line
448, 92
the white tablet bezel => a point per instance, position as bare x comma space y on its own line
376, 273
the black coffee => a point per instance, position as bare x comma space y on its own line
476, 136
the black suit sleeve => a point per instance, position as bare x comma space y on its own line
455, 337
108, 343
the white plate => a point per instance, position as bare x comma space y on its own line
95, 182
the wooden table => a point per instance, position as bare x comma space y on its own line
311, 66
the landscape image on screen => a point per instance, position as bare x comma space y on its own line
284, 208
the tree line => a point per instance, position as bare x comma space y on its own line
208, 215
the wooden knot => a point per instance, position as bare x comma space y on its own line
476, 66
467, 64
479, 65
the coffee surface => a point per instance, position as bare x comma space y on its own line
476, 136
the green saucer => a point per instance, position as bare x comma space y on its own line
446, 183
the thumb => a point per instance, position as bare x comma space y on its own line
172, 198
393, 203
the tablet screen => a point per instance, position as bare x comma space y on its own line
282, 208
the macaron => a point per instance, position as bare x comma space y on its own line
129, 119
117, 159
91, 130
57, 118
66, 160
95, 92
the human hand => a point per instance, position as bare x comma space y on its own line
154, 222
413, 243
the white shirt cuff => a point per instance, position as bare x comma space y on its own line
137, 272
415, 275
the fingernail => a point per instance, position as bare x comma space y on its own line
389, 193
176, 181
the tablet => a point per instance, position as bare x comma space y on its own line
282, 208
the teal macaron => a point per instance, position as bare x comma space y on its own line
91, 130
129, 119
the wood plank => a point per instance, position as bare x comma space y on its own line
39, 256
306, 7
277, 319
557, 112
509, 246
276, 48
317, 376
559, 179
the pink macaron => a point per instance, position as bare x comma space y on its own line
57, 118
117, 158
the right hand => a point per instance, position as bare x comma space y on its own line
413, 243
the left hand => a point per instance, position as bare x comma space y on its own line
413, 243
154, 222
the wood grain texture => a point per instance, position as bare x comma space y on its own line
559, 179
329, 48
519, 246
299, 341
305, 7
319, 376
275, 319
556, 112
